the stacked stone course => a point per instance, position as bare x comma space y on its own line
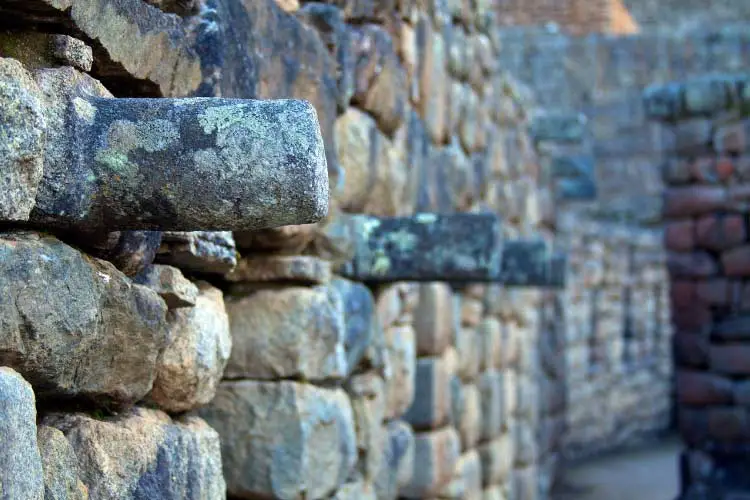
705, 213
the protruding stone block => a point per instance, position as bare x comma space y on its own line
287, 333
367, 395
435, 458
360, 321
51, 291
61, 472
144, 454
183, 165
433, 319
21, 474
283, 439
497, 460
467, 480
425, 247
559, 127
531, 263
432, 404
398, 460
303, 269
211, 252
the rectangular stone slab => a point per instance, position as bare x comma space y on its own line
424, 247
529, 263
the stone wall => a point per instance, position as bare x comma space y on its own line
678, 16
576, 17
705, 211
242, 364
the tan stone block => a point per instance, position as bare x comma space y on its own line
303, 269
525, 483
287, 332
433, 319
471, 311
399, 387
468, 347
471, 123
458, 62
497, 460
367, 395
314, 428
525, 444
433, 81
494, 493
435, 458
490, 341
388, 305
469, 418
467, 479
359, 490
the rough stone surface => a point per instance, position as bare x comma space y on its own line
21, 474
143, 454
426, 247
435, 456
21, 158
73, 52
433, 319
361, 323
176, 290
308, 446
199, 251
398, 460
61, 473
102, 346
497, 460
432, 405
279, 269
400, 386
191, 365
290, 332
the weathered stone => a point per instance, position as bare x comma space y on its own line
192, 364
367, 395
309, 444
433, 79
355, 491
451, 179
130, 251
72, 52
287, 333
469, 420
360, 320
373, 171
559, 127
22, 153
179, 7
290, 240
526, 483
433, 319
170, 284
493, 405
144, 454
21, 474
388, 304
467, 480
119, 327
380, 80
467, 344
526, 452
160, 173
432, 405
200, 251
531, 263
425, 247
281, 268
490, 344
497, 460
400, 387
61, 473
398, 460
435, 456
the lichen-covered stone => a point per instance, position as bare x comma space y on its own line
21, 474
130, 251
425, 247
191, 365
61, 473
200, 251
294, 332
22, 151
161, 173
283, 439
142, 454
361, 323
102, 346
281, 268
435, 456
176, 290
530, 263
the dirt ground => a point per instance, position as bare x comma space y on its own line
645, 473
